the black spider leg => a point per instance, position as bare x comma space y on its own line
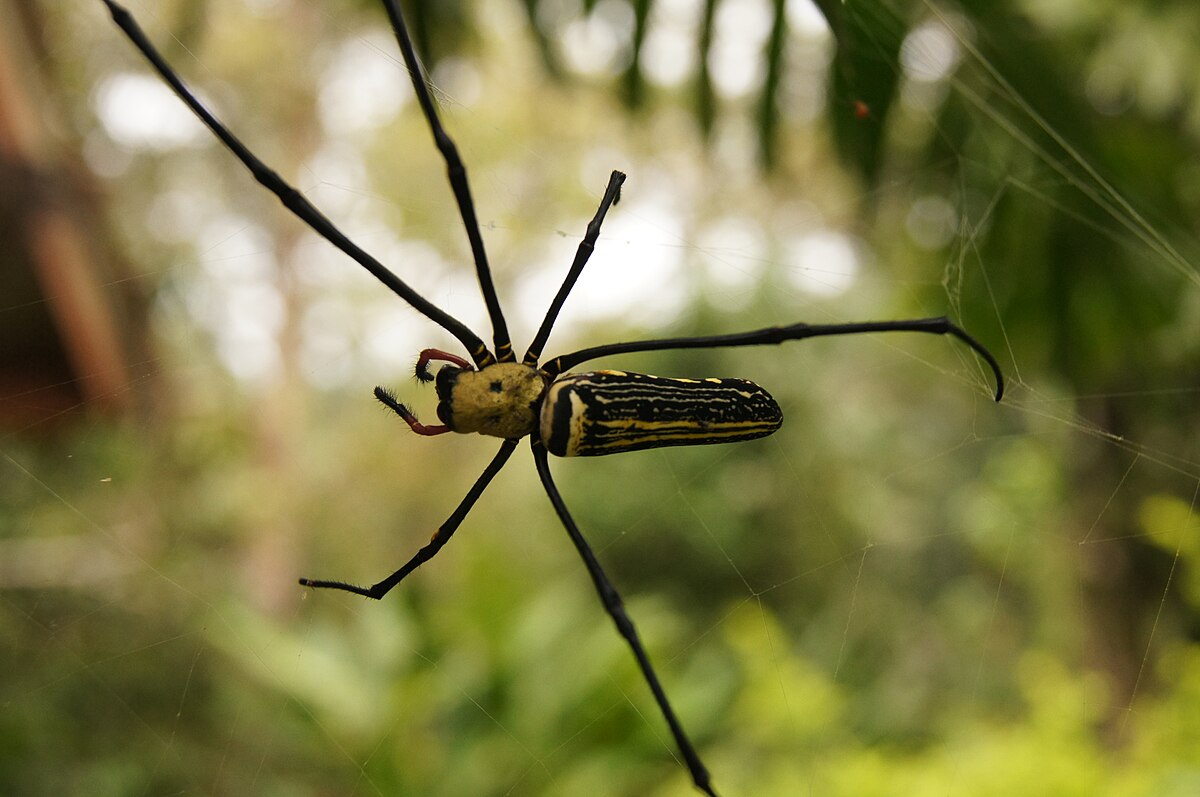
291, 198
774, 335
440, 537
616, 610
612, 195
456, 171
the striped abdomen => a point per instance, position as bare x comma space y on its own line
604, 412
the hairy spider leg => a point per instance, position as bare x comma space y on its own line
616, 610
429, 355
291, 197
456, 170
612, 195
388, 400
440, 537
775, 335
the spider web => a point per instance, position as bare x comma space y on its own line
908, 589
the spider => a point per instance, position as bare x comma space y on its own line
583, 414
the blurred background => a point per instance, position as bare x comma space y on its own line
907, 590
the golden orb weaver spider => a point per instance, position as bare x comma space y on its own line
586, 414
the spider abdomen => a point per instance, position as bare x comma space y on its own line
606, 412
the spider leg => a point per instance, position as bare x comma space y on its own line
440, 537
456, 171
616, 610
421, 369
775, 335
612, 195
388, 400
291, 198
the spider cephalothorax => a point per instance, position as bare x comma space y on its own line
500, 400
